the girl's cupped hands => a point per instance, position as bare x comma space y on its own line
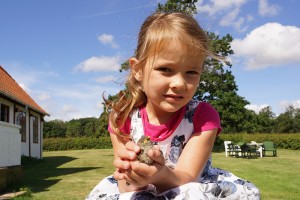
135, 172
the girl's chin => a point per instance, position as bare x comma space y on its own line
170, 107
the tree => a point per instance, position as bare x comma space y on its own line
266, 120
74, 129
289, 121
55, 128
103, 123
297, 120
184, 6
90, 127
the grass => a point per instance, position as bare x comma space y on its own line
73, 174
276, 177
67, 174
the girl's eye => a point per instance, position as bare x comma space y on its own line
193, 72
163, 69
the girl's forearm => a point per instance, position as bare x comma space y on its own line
172, 178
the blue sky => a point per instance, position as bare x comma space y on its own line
66, 53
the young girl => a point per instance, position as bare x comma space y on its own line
158, 102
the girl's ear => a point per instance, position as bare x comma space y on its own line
137, 72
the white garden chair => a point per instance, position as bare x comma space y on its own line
227, 149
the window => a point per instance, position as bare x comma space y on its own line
4, 113
21, 120
35, 129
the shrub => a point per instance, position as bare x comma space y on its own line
60, 144
283, 141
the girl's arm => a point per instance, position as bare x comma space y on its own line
191, 161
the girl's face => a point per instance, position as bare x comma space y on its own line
170, 79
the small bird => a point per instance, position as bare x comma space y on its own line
145, 144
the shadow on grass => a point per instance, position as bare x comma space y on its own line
109, 155
39, 175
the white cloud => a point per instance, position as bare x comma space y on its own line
228, 19
265, 9
99, 105
71, 92
231, 19
269, 45
43, 96
105, 79
25, 87
69, 109
65, 98
256, 108
102, 63
284, 104
73, 101
32, 79
250, 18
217, 6
108, 39
228, 9
296, 103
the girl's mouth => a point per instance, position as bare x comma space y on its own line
173, 97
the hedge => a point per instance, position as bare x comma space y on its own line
60, 144
282, 141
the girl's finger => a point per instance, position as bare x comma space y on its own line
142, 169
118, 176
156, 155
121, 164
125, 154
134, 178
132, 147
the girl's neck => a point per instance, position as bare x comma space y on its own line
158, 118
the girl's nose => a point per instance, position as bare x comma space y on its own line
178, 82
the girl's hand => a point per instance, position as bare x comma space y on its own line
140, 174
123, 158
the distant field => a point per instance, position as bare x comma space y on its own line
73, 174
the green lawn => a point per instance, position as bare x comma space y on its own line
72, 174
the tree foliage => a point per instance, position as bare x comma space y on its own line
55, 128
103, 120
266, 120
184, 6
84, 127
289, 121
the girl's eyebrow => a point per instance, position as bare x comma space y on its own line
194, 67
165, 62
197, 66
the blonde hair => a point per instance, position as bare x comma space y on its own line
157, 31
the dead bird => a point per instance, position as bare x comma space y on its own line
145, 144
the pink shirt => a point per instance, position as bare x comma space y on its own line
205, 118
